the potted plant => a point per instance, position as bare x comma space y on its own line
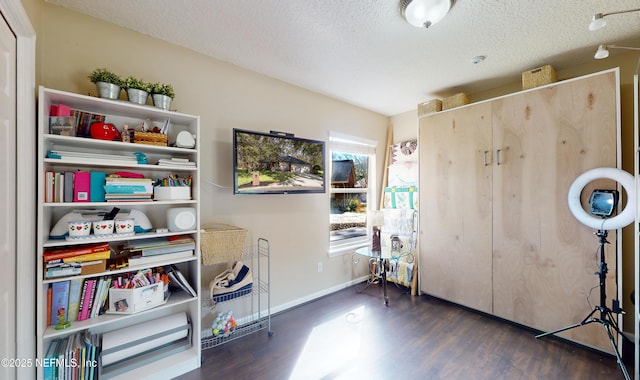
162, 94
108, 84
137, 90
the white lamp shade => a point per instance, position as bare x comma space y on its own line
424, 13
602, 52
598, 23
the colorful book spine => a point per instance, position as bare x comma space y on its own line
97, 186
91, 289
75, 292
50, 255
84, 300
96, 298
59, 301
103, 255
82, 186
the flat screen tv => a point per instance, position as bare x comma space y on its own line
276, 163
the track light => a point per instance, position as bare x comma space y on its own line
603, 50
424, 13
599, 22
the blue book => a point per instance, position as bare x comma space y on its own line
97, 186
59, 301
49, 365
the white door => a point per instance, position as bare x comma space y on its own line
7, 197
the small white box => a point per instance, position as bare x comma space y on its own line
165, 193
129, 301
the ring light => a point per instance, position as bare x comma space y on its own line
627, 215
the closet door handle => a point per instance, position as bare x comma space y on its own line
498, 151
484, 158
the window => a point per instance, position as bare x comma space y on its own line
352, 176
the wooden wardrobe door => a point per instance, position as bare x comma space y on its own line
544, 260
455, 206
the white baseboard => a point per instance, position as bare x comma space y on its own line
311, 297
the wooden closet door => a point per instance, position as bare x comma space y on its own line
455, 206
544, 260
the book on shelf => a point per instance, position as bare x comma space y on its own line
176, 162
58, 187
49, 178
49, 299
102, 255
63, 270
168, 249
75, 289
95, 306
139, 260
97, 181
66, 252
59, 301
82, 186
68, 186
160, 242
86, 300
177, 279
72, 357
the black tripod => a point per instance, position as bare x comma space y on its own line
607, 319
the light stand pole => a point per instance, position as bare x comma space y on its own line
607, 319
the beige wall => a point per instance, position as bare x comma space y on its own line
70, 45
405, 125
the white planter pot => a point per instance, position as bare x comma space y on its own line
108, 90
161, 101
137, 96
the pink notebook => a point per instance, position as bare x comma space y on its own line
81, 186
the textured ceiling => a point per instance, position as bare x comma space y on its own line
364, 53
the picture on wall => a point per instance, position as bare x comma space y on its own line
277, 163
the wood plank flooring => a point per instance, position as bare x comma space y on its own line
351, 335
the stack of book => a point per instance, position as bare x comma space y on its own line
77, 299
119, 189
177, 162
149, 251
73, 357
76, 260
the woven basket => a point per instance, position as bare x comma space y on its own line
433, 105
538, 77
454, 101
221, 243
150, 138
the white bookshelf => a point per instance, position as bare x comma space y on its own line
168, 363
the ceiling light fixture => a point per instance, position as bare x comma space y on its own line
424, 13
603, 50
599, 22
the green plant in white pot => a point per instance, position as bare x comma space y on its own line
108, 83
137, 89
162, 94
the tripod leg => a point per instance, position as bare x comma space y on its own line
563, 329
585, 321
615, 350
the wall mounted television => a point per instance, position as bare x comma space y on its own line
277, 163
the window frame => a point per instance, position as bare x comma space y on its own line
344, 143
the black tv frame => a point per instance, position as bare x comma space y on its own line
305, 158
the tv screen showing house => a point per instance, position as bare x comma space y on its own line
277, 163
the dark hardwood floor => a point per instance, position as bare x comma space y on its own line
350, 335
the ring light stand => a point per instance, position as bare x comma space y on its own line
606, 319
